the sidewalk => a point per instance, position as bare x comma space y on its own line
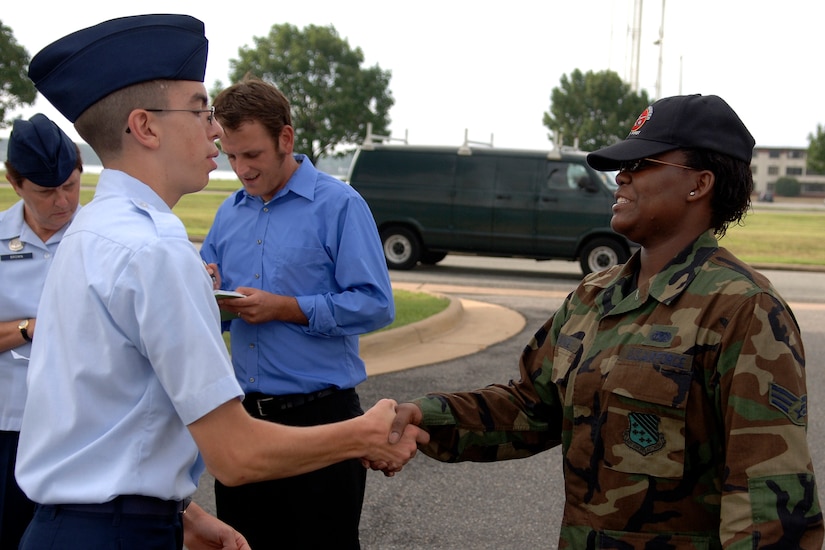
464, 328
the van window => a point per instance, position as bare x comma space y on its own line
399, 167
556, 175
565, 175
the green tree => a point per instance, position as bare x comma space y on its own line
816, 151
332, 96
16, 89
598, 109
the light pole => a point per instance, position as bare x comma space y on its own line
660, 43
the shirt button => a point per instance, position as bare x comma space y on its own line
251, 346
259, 241
266, 209
47, 255
257, 275
252, 380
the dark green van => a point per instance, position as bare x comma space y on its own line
429, 201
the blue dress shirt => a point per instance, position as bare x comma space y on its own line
315, 240
128, 353
22, 273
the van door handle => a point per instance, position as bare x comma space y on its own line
508, 197
549, 199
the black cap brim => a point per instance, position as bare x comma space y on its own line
613, 156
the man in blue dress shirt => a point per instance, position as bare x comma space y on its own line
303, 248
129, 377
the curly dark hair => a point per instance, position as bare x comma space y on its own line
734, 184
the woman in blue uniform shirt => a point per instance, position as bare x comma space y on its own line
43, 168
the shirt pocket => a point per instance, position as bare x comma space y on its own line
624, 539
646, 394
301, 271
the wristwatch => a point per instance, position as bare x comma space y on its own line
24, 326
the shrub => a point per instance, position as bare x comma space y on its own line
787, 187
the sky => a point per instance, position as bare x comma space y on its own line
487, 68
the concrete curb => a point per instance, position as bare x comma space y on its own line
420, 332
463, 328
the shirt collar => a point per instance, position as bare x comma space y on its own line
11, 224
666, 286
117, 183
302, 182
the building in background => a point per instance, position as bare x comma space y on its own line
771, 163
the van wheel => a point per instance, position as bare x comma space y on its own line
432, 258
401, 247
601, 254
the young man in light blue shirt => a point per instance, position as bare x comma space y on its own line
131, 392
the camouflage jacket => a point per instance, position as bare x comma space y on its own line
681, 410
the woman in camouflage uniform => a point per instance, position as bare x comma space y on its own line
675, 383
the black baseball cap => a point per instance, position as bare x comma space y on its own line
680, 122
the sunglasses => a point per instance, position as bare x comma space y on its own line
640, 164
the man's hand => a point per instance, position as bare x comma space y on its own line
405, 414
215, 274
404, 431
202, 531
260, 306
390, 457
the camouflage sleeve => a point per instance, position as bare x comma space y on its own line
769, 495
498, 422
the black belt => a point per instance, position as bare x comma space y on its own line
130, 504
260, 405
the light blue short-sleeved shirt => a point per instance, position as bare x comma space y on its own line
128, 353
24, 262
315, 240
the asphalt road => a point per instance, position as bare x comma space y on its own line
516, 504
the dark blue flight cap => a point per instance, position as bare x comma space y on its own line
41, 152
78, 70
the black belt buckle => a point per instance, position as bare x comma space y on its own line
260, 402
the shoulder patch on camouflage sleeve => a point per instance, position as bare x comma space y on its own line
793, 406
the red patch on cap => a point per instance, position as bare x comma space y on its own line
644, 117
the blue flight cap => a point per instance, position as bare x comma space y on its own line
78, 70
41, 152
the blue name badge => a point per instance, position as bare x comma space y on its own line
9, 257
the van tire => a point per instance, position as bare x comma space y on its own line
601, 254
429, 257
402, 248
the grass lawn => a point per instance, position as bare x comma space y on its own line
409, 308
779, 237
767, 236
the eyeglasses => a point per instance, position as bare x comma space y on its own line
209, 118
640, 164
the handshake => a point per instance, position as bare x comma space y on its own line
394, 436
